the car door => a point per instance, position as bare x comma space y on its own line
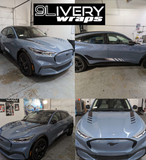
65, 120
56, 129
10, 44
93, 47
120, 50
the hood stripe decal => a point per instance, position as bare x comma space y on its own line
89, 119
133, 120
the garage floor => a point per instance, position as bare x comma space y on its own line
14, 84
79, 117
111, 81
62, 148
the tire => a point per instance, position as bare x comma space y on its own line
39, 149
143, 64
80, 64
1, 51
70, 130
24, 64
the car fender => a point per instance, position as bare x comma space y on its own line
83, 57
36, 139
24, 50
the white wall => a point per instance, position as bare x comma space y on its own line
64, 104
121, 16
22, 13
6, 14
18, 115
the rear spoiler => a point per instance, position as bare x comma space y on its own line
72, 42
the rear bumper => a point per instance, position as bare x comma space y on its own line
86, 153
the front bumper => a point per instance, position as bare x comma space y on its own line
48, 70
45, 65
16, 151
86, 153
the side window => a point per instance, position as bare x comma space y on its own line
4, 31
94, 39
117, 39
10, 31
64, 115
78, 39
57, 117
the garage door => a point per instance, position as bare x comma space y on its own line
6, 17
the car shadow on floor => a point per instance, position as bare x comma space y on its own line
109, 65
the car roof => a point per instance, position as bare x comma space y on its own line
20, 27
94, 32
52, 111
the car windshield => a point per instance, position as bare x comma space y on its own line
111, 105
38, 117
28, 32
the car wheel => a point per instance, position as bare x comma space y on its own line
1, 51
25, 64
143, 64
70, 130
39, 149
80, 64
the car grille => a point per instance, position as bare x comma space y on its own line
111, 144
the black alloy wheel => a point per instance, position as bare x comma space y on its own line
70, 130
143, 64
80, 65
25, 64
39, 149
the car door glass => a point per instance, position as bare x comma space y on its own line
10, 32
117, 39
4, 31
94, 39
56, 117
63, 115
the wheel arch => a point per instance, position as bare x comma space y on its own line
142, 59
85, 59
39, 137
24, 50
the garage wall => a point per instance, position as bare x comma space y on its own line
64, 104
121, 16
6, 14
65, 32
18, 115
22, 13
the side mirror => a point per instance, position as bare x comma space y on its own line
45, 33
135, 107
131, 42
87, 106
53, 121
10, 36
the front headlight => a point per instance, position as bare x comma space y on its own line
82, 134
140, 134
36, 51
24, 139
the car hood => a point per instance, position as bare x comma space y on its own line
18, 129
111, 124
48, 44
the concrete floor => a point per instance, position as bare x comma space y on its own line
79, 117
111, 82
62, 148
13, 84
